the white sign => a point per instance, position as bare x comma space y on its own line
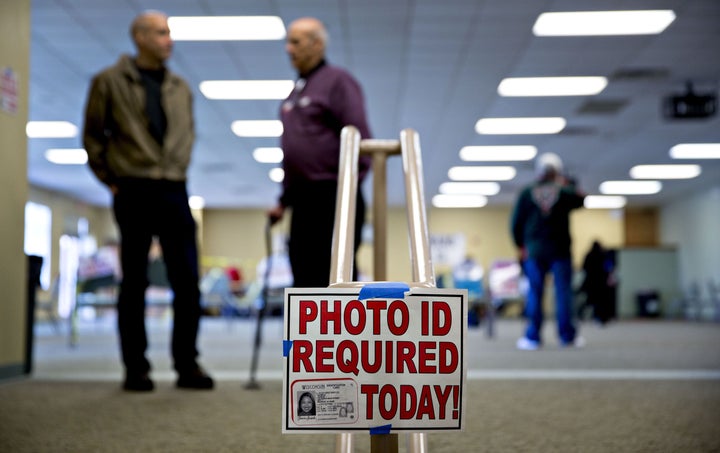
376, 359
8, 90
447, 249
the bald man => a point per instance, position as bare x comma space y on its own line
325, 99
139, 134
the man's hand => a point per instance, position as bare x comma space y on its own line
522, 254
276, 214
522, 258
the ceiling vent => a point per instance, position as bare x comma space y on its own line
602, 107
217, 167
578, 130
639, 74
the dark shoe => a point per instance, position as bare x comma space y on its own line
195, 379
138, 383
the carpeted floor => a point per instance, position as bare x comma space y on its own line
515, 416
639, 386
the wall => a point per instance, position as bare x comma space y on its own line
691, 226
641, 227
237, 236
65, 215
14, 54
643, 270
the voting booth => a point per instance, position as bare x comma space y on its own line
376, 358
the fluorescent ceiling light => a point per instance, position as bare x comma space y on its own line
226, 28
257, 128
66, 156
277, 174
268, 155
246, 89
459, 201
481, 173
497, 153
665, 171
496, 126
552, 86
469, 188
603, 23
51, 129
605, 201
196, 202
695, 151
630, 187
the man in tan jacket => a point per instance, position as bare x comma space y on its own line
139, 134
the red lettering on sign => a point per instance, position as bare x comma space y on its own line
327, 316
456, 402
440, 326
348, 363
398, 329
359, 308
367, 366
448, 356
324, 352
388, 409
408, 402
405, 355
308, 312
426, 354
301, 353
442, 397
389, 356
425, 404
424, 323
376, 307
352, 318
424, 357
369, 390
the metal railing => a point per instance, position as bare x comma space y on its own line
341, 269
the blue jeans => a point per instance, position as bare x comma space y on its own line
536, 270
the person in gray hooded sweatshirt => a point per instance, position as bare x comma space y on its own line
540, 227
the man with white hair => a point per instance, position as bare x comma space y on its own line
326, 98
540, 228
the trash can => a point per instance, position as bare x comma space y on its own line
33, 282
648, 303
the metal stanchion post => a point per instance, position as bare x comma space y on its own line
344, 232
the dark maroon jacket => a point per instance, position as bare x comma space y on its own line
313, 116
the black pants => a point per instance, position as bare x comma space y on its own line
311, 230
143, 209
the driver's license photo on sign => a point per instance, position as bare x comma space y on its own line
324, 401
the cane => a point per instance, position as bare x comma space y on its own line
253, 384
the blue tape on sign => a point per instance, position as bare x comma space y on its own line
287, 346
384, 290
384, 429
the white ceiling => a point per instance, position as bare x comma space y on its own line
430, 65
